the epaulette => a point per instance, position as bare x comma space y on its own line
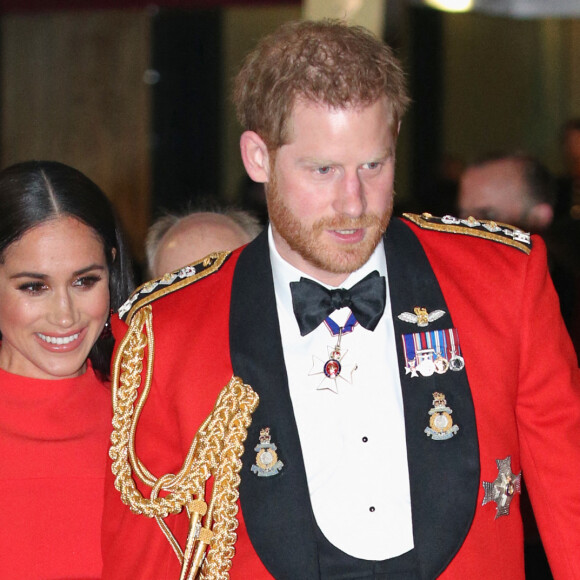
488, 229
171, 282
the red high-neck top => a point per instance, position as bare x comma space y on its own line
53, 449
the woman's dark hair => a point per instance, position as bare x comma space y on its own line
34, 192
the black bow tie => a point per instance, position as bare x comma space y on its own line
312, 302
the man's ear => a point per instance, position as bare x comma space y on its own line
255, 156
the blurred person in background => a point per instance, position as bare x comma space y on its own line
512, 188
516, 188
568, 202
173, 241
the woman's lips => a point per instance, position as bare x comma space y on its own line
60, 343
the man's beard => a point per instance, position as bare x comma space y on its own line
306, 240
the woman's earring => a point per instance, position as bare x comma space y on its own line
107, 332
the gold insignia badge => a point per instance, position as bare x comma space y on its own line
441, 425
267, 462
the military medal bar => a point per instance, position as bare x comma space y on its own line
434, 351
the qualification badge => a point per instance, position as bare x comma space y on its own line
267, 462
420, 317
441, 425
503, 488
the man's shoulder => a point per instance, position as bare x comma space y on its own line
172, 283
490, 230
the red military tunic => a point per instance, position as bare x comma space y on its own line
517, 396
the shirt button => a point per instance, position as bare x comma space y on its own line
372, 509
365, 439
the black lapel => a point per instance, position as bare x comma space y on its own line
444, 475
276, 509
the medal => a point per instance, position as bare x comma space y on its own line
410, 356
433, 351
333, 368
456, 362
425, 363
440, 346
503, 488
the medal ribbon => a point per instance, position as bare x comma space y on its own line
409, 346
440, 343
445, 343
335, 330
453, 342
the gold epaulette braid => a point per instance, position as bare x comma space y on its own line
215, 452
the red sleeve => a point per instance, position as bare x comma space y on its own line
548, 419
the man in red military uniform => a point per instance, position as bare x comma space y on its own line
397, 377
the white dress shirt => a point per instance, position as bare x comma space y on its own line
353, 441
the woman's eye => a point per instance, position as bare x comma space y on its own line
86, 281
32, 287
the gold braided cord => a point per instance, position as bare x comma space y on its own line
214, 452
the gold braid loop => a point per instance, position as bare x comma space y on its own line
214, 452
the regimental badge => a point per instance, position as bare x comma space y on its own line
267, 462
503, 489
433, 351
421, 316
441, 425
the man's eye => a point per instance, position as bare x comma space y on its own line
372, 165
324, 170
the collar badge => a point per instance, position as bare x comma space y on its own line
267, 462
441, 425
